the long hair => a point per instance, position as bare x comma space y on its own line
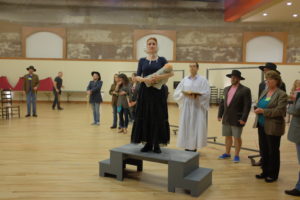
124, 78
115, 75
294, 86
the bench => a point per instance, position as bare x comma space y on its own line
183, 167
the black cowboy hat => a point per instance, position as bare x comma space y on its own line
236, 73
94, 72
31, 67
270, 66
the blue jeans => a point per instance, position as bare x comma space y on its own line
115, 116
96, 112
31, 100
298, 153
124, 113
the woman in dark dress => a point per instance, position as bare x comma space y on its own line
151, 125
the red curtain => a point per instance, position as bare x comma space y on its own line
4, 84
46, 84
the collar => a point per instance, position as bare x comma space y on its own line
196, 77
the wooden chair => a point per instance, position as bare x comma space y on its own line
8, 110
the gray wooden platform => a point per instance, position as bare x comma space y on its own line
183, 167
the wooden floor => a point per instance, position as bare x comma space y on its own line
55, 156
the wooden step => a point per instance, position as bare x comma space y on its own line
198, 174
198, 181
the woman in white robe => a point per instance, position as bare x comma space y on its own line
192, 95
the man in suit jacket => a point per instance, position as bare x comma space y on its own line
30, 86
234, 110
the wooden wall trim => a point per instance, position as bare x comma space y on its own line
282, 36
27, 31
110, 60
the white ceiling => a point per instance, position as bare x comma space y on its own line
277, 11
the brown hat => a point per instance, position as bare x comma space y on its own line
31, 67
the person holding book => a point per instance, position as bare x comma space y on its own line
192, 95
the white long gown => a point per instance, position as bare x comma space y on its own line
193, 126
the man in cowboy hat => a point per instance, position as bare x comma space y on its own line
30, 86
265, 68
263, 86
234, 111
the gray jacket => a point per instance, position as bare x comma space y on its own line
294, 130
123, 99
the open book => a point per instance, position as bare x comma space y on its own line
191, 93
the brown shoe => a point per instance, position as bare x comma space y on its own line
121, 130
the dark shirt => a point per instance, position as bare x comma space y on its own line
95, 88
147, 67
30, 82
59, 82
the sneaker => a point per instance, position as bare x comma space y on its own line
98, 124
236, 159
225, 156
94, 123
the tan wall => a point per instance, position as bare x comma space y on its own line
107, 33
77, 74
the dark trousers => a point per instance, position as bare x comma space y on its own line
269, 146
124, 115
56, 99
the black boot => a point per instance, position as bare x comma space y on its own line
293, 192
147, 147
156, 149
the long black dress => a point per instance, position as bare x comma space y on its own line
151, 124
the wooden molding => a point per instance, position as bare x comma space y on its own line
111, 60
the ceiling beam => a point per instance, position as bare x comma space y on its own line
235, 9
